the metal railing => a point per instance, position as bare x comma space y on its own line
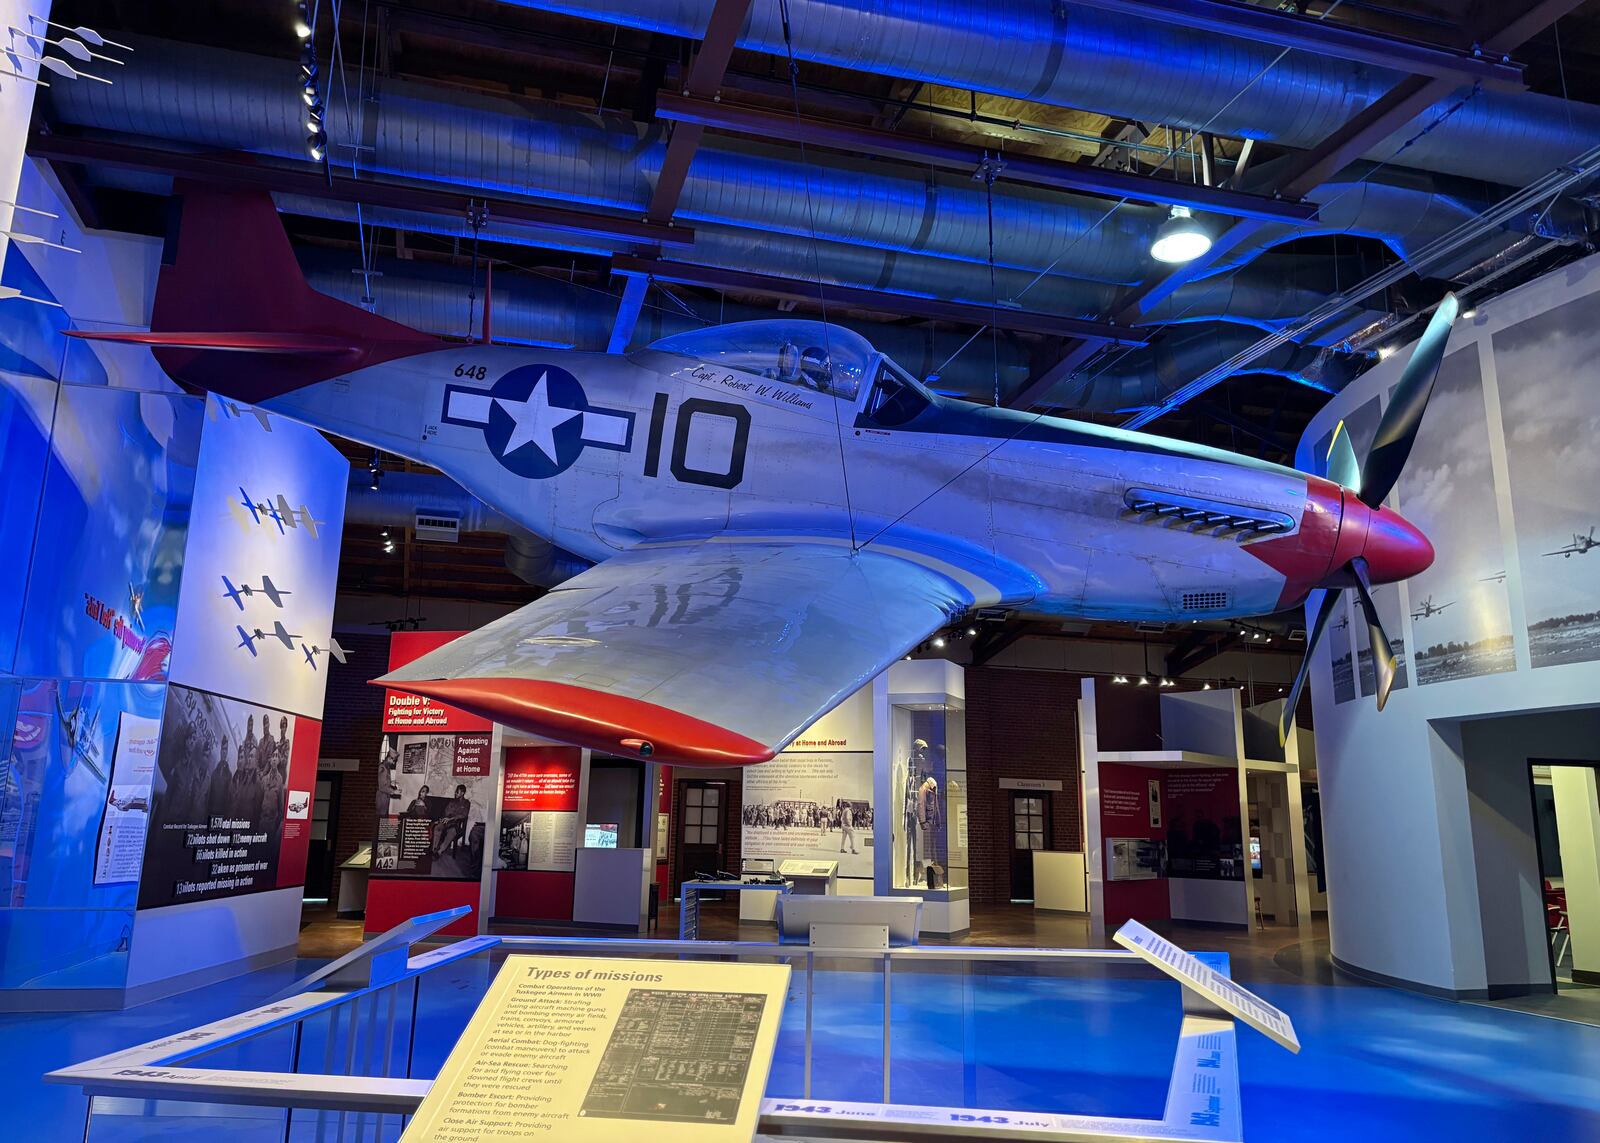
364, 1078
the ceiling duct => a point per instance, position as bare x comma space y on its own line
881, 225
1051, 51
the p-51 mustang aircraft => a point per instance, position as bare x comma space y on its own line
776, 511
1581, 545
1428, 607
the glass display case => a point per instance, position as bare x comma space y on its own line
929, 788
920, 790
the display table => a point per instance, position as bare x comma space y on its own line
353, 883
1060, 881
689, 901
611, 887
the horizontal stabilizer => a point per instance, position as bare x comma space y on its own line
227, 341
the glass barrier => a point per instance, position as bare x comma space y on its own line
1043, 1031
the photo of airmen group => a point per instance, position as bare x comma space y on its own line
432, 805
217, 808
816, 806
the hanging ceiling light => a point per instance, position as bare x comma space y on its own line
1180, 239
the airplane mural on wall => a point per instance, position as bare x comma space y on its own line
775, 511
1429, 608
1581, 545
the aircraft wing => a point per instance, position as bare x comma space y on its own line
717, 652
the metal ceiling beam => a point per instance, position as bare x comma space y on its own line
244, 172
705, 78
1377, 121
964, 158
1322, 37
856, 297
1036, 388
1196, 649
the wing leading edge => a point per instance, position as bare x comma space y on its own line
716, 653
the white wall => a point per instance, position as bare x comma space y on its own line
16, 108
1427, 857
186, 946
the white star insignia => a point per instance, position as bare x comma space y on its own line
535, 421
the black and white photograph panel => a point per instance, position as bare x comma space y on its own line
1548, 371
1460, 620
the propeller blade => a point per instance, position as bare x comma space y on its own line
1330, 599
1383, 664
1397, 431
1343, 467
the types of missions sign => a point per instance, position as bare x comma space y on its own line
610, 1051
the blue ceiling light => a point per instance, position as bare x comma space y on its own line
1180, 238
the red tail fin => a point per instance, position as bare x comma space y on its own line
242, 320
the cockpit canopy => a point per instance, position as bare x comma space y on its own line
811, 354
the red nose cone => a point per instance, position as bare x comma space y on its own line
1395, 549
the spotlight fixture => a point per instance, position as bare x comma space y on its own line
971, 631
1468, 315
1207, 687
1144, 680
374, 475
939, 641
1119, 679
317, 145
1180, 239
1168, 683
302, 20
1385, 352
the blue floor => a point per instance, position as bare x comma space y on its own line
1377, 1064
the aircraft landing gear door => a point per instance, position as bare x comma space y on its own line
1030, 815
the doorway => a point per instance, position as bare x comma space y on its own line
700, 837
324, 837
1030, 824
1566, 819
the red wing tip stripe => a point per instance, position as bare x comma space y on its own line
611, 723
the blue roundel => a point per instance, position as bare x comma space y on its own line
535, 423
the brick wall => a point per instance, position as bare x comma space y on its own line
1020, 724
352, 722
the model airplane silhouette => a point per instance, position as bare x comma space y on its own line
279, 512
229, 409
247, 640
1497, 577
1427, 607
776, 511
279, 633
1581, 545
313, 651
273, 593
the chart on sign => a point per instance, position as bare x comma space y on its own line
677, 1056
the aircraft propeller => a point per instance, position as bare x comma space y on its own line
1372, 480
